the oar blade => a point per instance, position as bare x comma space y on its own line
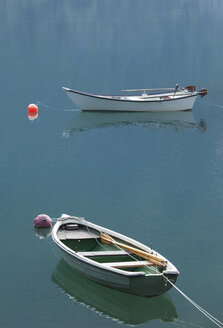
106, 238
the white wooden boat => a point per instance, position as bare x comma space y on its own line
161, 100
121, 307
112, 259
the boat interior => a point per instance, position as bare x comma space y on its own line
87, 242
149, 97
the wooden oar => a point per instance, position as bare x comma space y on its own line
154, 259
143, 90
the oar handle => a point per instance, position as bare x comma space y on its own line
154, 259
143, 90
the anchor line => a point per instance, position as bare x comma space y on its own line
198, 307
43, 103
56, 108
208, 103
54, 220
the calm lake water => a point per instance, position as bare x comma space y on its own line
158, 179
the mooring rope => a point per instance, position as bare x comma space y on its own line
54, 220
43, 103
208, 103
207, 314
56, 108
98, 242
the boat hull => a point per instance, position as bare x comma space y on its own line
136, 283
88, 102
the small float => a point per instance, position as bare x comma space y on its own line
148, 100
42, 221
112, 259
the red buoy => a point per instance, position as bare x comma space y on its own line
32, 108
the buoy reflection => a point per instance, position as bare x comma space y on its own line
32, 116
42, 233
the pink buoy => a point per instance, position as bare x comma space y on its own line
43, 221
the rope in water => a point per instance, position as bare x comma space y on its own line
43, 103
56, 108
208, 103
207, 314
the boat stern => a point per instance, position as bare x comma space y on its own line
153, 285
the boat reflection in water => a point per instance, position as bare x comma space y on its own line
176, 121
126, 308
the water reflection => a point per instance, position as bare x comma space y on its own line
32, 116
42, 233
176, 121
126, 308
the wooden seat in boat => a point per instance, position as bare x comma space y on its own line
103, 253
76, 234
130, 264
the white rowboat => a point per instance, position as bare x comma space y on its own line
112, 259
159, 100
